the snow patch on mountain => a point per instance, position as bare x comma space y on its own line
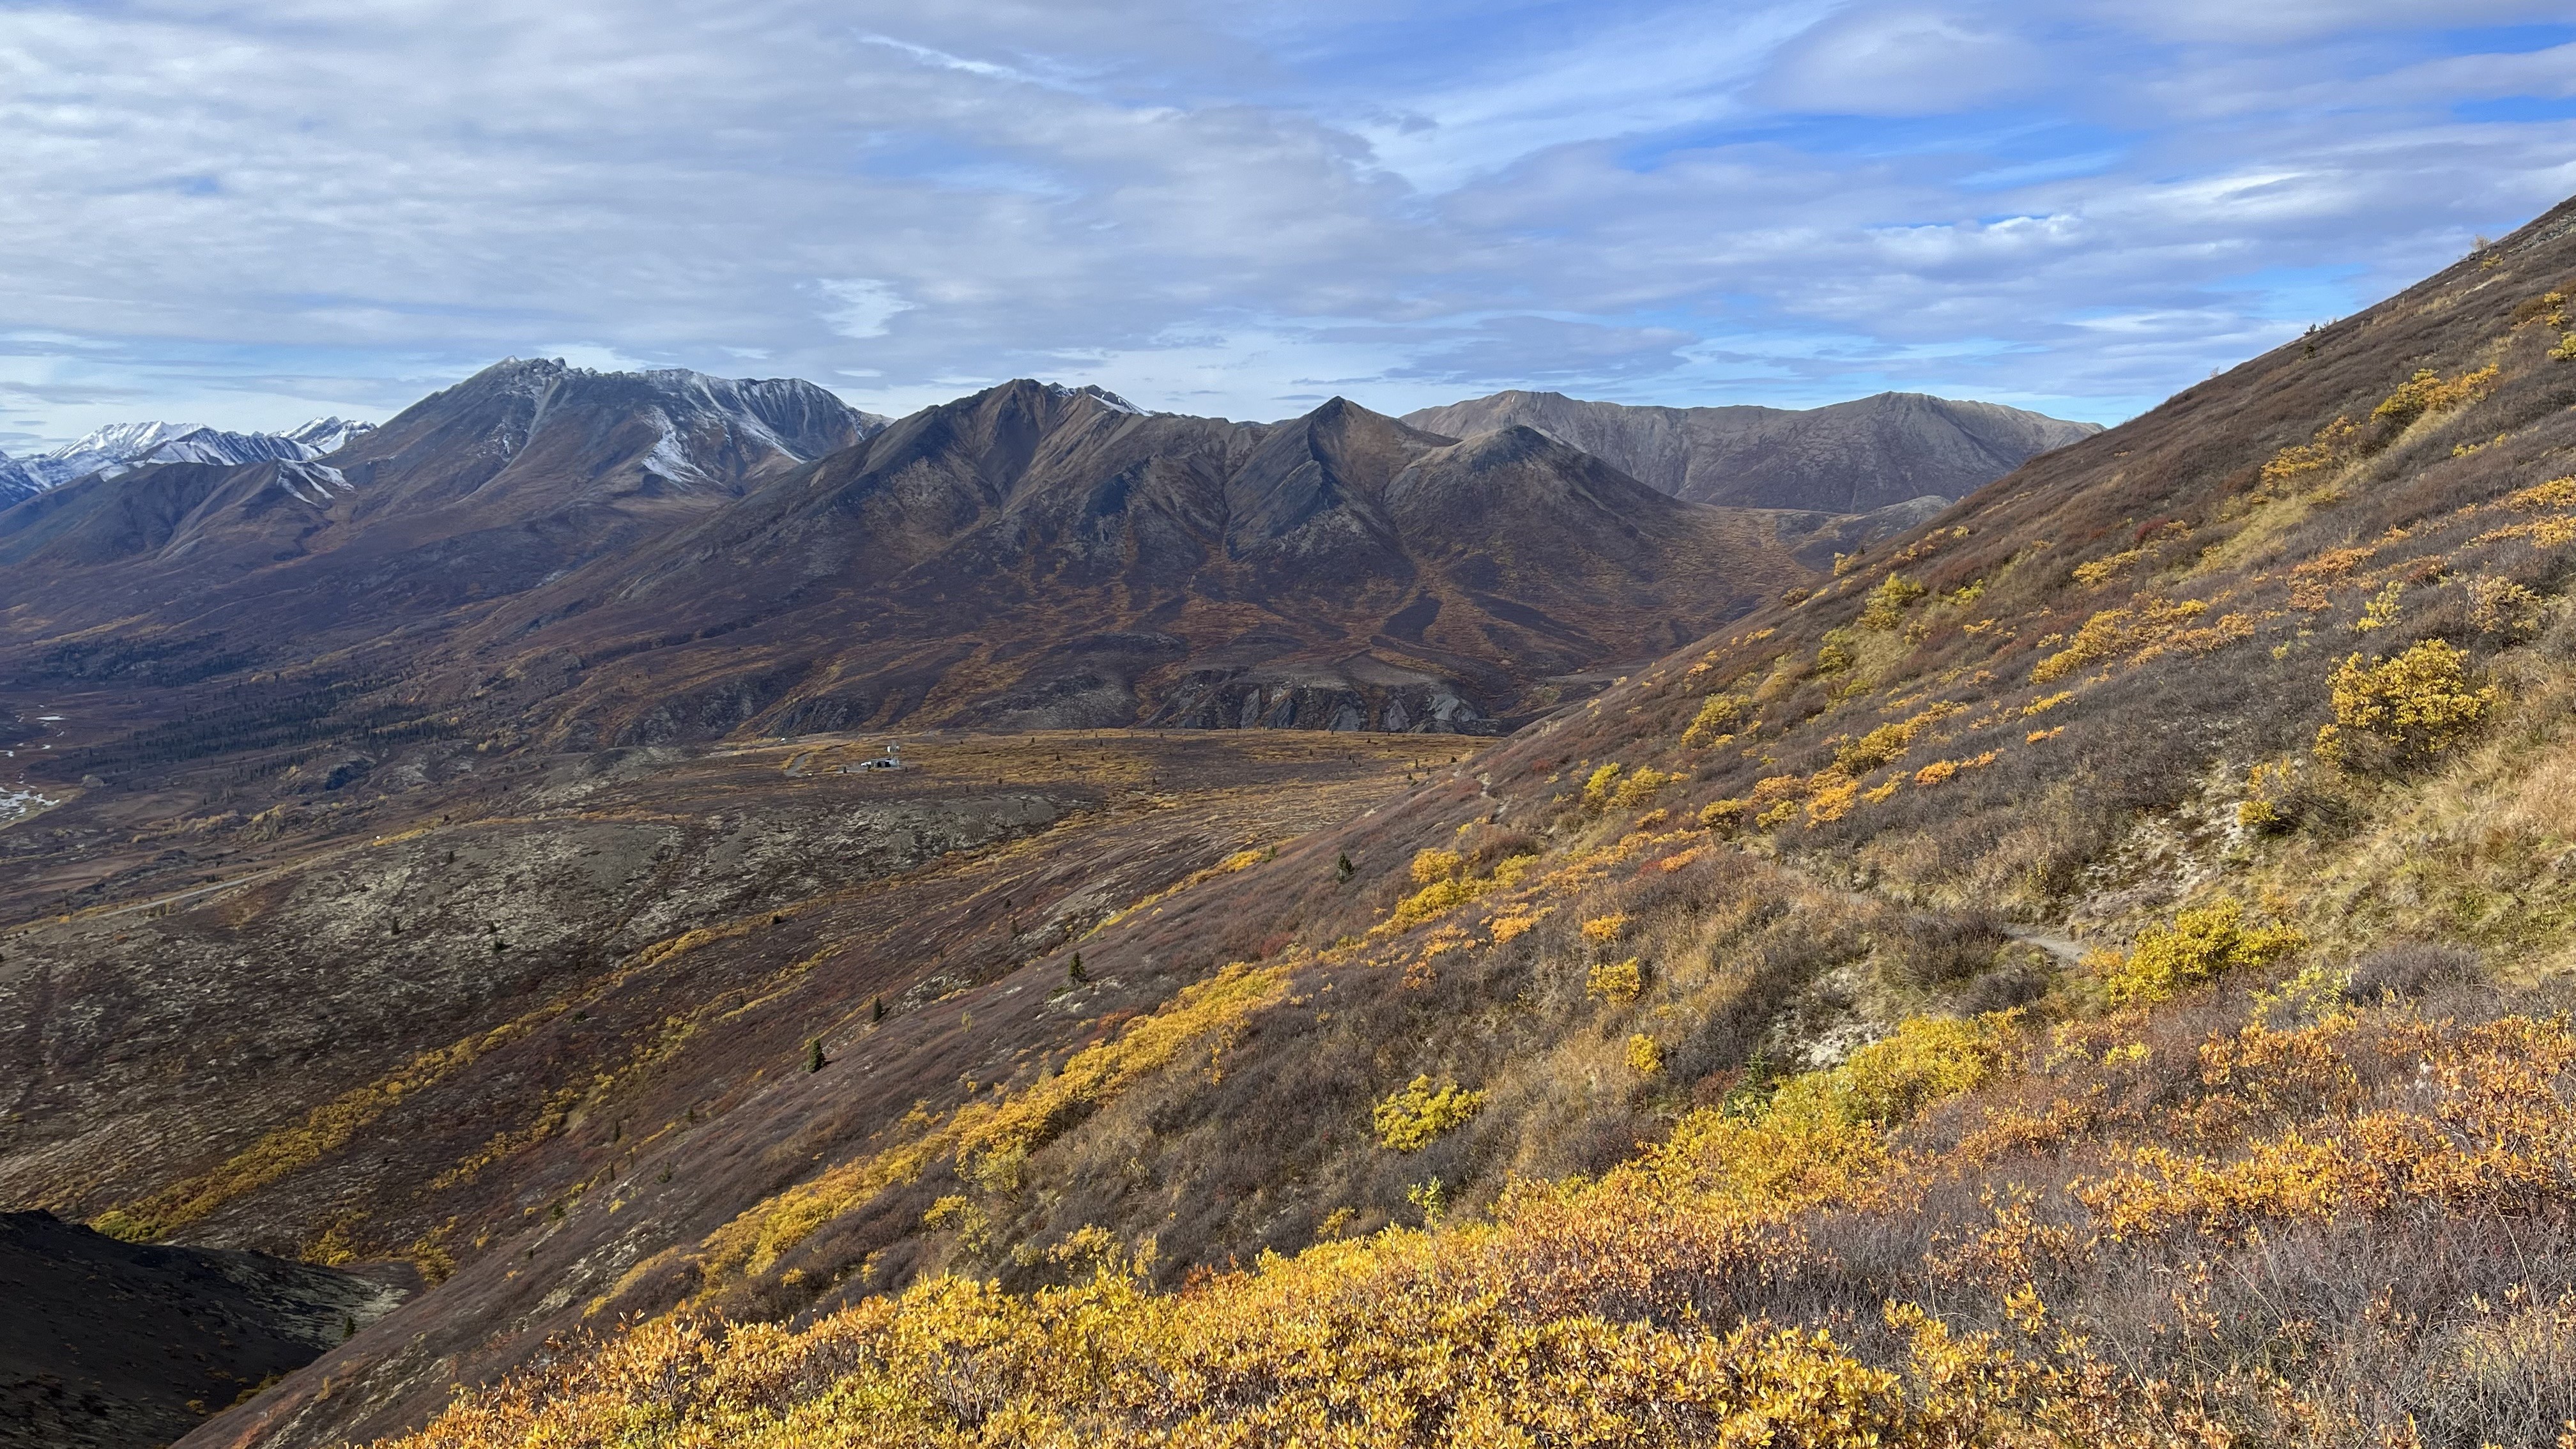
120, 448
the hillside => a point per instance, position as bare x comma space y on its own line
1847, 458
2087, 975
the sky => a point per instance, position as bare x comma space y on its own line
248, 214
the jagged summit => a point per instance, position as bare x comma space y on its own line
120, 448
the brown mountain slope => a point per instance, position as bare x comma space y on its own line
2044, 707
512, 476
1852, 457
1033, 556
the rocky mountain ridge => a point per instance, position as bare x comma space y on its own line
120, 448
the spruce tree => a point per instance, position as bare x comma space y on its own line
1073, 971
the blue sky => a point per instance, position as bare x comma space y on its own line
248, 214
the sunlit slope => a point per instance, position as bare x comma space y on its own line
2083, 976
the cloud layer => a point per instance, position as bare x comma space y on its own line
254, 213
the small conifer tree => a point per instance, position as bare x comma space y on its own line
1343, 870
814, 1055
1073, 971
876, 1010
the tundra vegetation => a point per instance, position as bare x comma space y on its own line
1718, 1063
2090, 972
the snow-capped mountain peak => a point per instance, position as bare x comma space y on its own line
120, 448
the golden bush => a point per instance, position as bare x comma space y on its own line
1889, 601
1640, 788
1718, 715
1617, 980
2412, 706
1602, 930
1409, 1120
2426, 392
1644, 1057
2200, 944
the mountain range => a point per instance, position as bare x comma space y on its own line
122, 447
1032, 556
1871, 453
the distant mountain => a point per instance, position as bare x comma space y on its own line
122, 447
1848, 458
519, 472
1042, 556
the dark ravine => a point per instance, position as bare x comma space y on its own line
107, 1344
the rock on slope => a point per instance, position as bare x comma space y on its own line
1851, 457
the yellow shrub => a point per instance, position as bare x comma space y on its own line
1432, 865
1777, 787
2098, 639
1434, 899
1874, 749
1407, 1121
1644, 1057
1936, 772
1777, 815
1717, 715
1834, 655
2381, 611
1618, 980
2416, 705
2426, 392
1641, 787
2043, 706
2114, 632
1720, 813
2332, 442
2199, 945
1888, 1081
1597, 790
1889, 601
1832, 801
1605, 929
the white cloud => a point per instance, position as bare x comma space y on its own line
866, 306
1903, 63
1229, 209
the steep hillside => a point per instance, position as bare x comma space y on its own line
2088, 975
1038, 557
1853, 457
